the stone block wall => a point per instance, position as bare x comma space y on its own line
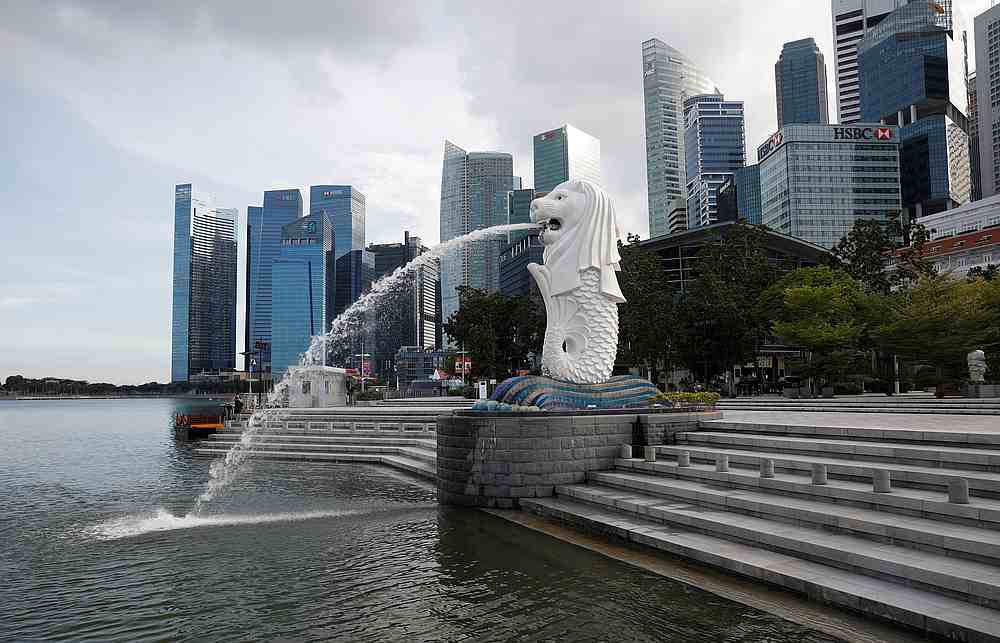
492, 460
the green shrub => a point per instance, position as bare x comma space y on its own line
368, 396
703, 398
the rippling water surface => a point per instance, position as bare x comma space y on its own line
97, 543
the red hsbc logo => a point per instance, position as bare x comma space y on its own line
862, 133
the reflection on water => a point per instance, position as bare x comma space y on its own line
98, 545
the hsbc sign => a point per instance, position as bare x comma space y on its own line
862, 133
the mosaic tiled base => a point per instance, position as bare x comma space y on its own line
532, 393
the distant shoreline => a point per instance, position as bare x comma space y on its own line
37, 398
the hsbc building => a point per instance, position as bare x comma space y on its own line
817, 180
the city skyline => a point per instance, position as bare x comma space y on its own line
60, 88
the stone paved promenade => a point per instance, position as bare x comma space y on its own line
886, 421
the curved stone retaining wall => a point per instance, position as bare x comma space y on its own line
493, 459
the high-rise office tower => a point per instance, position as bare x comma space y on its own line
668, 77
474, 187
264, 225
563, 154
987, 89
355, 273
851, 21
714, 149
345, 207
817, 180
912, 75
302, 284
203, 334
975, 176
800, 84
414, 320
739, 196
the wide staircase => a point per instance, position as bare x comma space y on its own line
900, 525
401, 439
919, 404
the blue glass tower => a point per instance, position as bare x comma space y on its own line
302, 283
355, 274
911, 75
203, 333
264, 225
345, 207
800, 84
714, 149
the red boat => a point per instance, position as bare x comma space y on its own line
200, 423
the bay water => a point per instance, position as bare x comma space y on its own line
98, 542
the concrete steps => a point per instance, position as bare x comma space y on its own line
957, 407
921, 554
416, 456
932, 455
970, 542
983, 483
925, 611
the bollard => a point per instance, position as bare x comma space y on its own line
722, 462
650, 453
881, 482
684, 459
626, 451
767, 468
958, 491
819, 474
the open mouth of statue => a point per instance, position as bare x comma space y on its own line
552, 224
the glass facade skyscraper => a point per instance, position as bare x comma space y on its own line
668, 77
987, 93
912, 76
345, 207
302, 283
203, 332
817, 180
800, 84
563, 154
739, 196
851, 20
474, 187
264, 225
714, 148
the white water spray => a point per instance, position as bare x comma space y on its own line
226, 469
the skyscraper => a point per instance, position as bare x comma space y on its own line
987, 87
414, 319
345, 207
739, 196
912, 75
474, 187
563, 154
714, 148
851, 21
800, 84
302, 282
264, 225
975, 175
203, 334
817, 180
668, 77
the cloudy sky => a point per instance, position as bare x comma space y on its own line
108, 103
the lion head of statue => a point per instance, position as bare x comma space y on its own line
579, 233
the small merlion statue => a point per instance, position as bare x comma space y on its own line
977, 366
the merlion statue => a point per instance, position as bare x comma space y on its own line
578, 282
977, 366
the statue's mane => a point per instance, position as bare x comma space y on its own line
593, 244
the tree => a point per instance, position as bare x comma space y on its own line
863, 253
935, 324
497, 331
720, 323
989, 273
646, 319
821, 311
